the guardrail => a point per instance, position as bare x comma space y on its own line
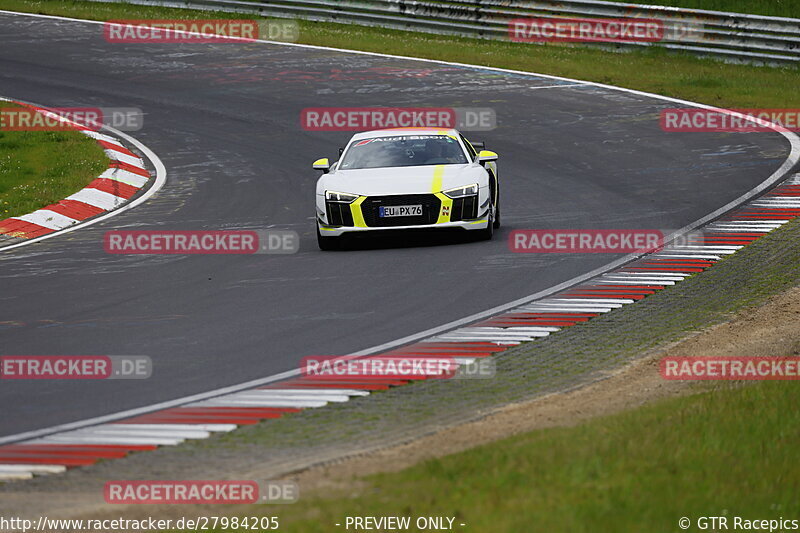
731, 36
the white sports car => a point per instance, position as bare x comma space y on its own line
409, 178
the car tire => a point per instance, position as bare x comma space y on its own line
327, 244
497, 214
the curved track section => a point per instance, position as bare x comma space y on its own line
124, 185
225, 120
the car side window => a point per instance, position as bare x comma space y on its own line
472, 153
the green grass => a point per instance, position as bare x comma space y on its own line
728, 452
655, 70
774, 8
39, 168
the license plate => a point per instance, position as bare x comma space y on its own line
400, 211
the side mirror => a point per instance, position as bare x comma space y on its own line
341, 151
486, 156
322, 164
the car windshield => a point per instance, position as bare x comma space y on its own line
403, 151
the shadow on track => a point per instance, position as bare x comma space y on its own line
405, 239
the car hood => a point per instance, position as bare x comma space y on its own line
402, 180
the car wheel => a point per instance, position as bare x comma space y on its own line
327, 244
497, 214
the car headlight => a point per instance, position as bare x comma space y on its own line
460, 192
340, 197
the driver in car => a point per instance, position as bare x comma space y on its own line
439, 153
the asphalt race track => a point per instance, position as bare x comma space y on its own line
224, 119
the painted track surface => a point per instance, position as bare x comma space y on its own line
224, 119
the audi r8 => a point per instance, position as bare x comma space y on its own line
403, 179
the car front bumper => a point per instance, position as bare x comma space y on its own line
469, 225
359, 216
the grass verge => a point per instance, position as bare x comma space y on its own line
39, 168
653, 70
773, 8
727, 452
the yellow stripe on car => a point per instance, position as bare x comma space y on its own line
436, 188
358, 216
438, 174
446, 209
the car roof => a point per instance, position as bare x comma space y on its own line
405, 131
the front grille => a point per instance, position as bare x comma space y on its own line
339, 214
431, 206
465, 208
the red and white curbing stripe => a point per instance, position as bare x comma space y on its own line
125, 177
198, 420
